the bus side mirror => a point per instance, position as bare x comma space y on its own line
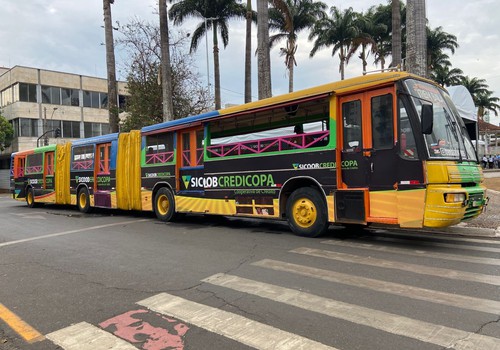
427, 119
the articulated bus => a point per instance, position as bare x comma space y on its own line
384, 148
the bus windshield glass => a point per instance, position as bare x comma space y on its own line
449, 138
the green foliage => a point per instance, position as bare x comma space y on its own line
6, 133
144, 103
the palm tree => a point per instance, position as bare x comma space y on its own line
248, 53
486, 102
437, 42
263, 55
166, 73
215, 15
338, 31
476, 87
114, 118
445, 75
298, 15
369, 29
396, 32
416, 48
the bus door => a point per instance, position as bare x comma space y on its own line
368, 156
48, 172
190, 170
102, 176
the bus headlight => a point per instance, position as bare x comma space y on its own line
454, 197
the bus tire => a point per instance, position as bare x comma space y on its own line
30, 198
83, 200
307, 213
164, 204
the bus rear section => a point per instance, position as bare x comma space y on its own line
34, 175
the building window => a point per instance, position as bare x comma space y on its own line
70, 97
51, 94
92, 99
28, 127
27, 92
53, 124
71, 129
7, 96
104, 100
122, 102
95, 129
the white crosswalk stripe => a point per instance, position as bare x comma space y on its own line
84, 336
259, 335
398, 265
382, 240
451, 299
420, 252
244, 330
395, 324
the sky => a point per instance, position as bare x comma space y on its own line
68, 35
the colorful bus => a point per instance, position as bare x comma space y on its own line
385, 148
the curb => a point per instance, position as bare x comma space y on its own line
469, 231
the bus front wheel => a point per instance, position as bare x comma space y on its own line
164, 205
30, 198
83, 200
306, 212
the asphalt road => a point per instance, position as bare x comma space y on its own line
116, 280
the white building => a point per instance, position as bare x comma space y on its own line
37, 101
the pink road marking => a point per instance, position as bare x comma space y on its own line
136, 330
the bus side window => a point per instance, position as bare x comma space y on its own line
407, 145
351, 116
382, 122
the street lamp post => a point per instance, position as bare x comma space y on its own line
45, 129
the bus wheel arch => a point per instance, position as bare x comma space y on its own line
83, 199
164, 203
305, 208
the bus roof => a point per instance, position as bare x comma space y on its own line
96, 139
339, 87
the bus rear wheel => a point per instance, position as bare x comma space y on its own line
307, 213
164, 204
30, 198
83, 200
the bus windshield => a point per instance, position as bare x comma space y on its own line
449, 138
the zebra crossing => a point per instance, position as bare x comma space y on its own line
477, 259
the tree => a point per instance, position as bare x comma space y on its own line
445, 75
248, 53
144, 104
338, 31
289, 20
396, 32
6, 133
114, 118
486, 102
437, 42
263, 48
476, 87
166, 73
369, 29
215, 15
416, 43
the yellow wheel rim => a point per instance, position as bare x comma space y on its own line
30, 198
163, 204
304, 212
82, 200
